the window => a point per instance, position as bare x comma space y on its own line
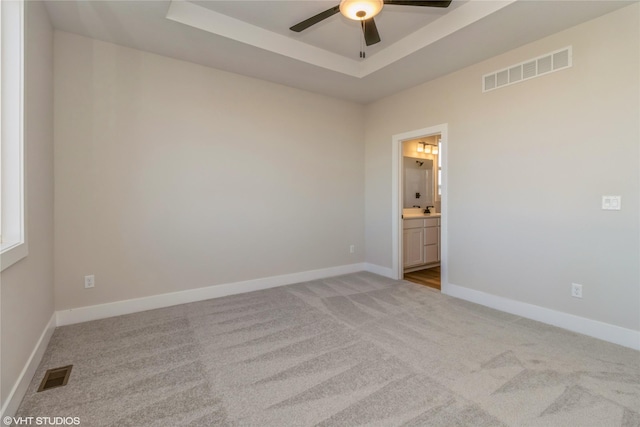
13, 242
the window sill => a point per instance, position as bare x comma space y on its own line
10, 253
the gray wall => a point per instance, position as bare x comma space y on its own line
527, 167
173, 176
27, 286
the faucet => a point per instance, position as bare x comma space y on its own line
427, 210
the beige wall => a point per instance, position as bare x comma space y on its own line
527, 167
27, 286
173, 176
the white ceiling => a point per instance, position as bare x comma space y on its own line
336, 34
253, 37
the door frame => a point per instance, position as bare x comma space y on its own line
396, 199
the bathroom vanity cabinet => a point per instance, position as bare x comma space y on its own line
421, 243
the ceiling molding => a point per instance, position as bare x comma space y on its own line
457, 19
239, 37
191, 14
199, 17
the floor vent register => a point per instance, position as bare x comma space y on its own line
57, 377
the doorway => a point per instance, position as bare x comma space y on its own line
419, 239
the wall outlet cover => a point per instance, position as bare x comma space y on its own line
611, 203
89, 281
576, 290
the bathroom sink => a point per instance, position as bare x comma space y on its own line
417, 213
413, 211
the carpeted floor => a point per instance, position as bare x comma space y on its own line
352, 350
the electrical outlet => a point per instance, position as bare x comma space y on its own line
352, 249
89, 281
576, 290
611, 203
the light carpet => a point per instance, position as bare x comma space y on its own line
351, 350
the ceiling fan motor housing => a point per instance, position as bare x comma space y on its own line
360, 10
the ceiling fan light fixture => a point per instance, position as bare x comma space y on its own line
360, 10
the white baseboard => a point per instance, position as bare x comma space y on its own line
379, 270
593, 328
20, 387
604, 331
102, 311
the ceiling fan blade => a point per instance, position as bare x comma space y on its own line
315, 19
370, 30
432, 3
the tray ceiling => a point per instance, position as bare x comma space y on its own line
253, 37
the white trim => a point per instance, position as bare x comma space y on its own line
379, 270
396, 198
593, 328
24, 379
453, 21
208, 20
102, 311
11, 255
200, 17
12, 205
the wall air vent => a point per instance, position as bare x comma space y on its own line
545, 64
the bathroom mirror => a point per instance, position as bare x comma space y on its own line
418, 182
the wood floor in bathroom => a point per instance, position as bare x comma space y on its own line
428, 277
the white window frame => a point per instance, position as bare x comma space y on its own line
439, 171
13, 243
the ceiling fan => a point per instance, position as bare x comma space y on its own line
364, 11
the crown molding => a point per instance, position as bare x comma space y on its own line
199, 17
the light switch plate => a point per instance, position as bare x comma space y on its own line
611, 203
